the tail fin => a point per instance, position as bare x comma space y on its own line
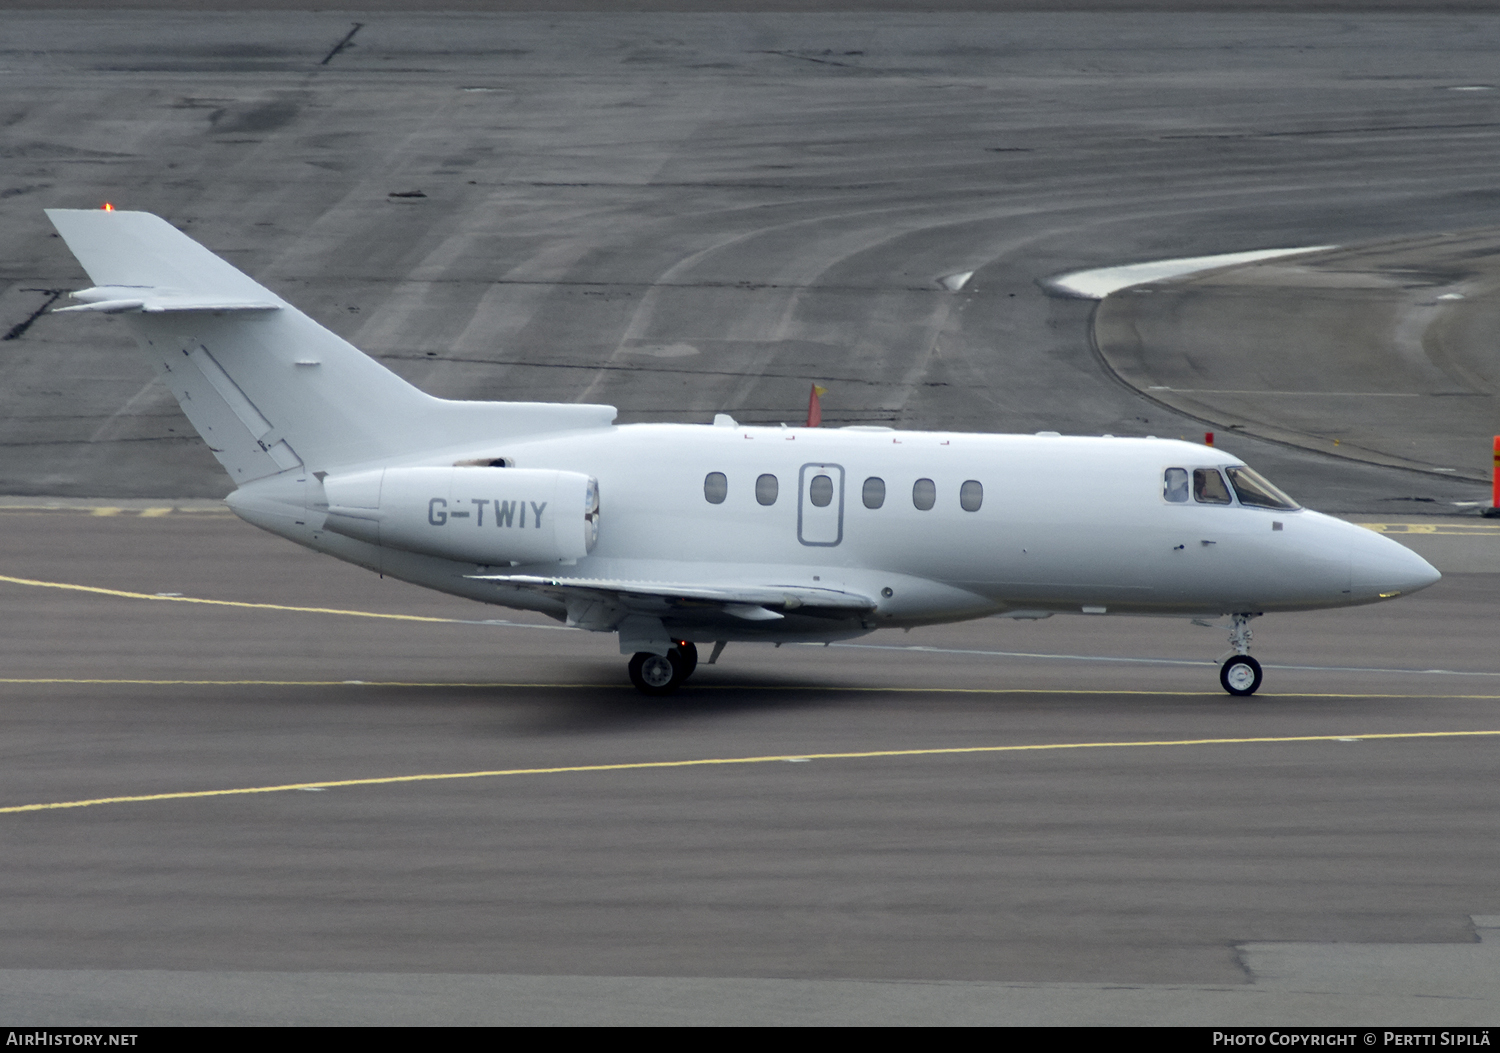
267, 387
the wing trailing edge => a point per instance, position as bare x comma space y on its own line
754, 603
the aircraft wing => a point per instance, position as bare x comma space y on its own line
750, 602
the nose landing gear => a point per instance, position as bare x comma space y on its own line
1240, 674
655, 674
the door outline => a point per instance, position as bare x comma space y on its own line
823, 468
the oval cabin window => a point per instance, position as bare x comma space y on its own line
971, 495
924, 494
874, 492
820, 491
715, 488
766, 488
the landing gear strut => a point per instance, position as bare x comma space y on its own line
655, 674
1240, 674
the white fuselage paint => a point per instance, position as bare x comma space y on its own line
1067, 524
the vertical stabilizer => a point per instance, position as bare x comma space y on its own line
267, 387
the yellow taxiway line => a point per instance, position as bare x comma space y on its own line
1483, 530
720, 761
106, 511
219, 603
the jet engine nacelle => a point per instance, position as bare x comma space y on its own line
477, 515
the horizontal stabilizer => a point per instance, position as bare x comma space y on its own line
141, 256
117, 299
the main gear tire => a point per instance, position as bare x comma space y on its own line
1240, 675
656, 674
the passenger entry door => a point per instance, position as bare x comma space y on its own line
820, 504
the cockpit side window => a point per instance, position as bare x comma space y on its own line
1175, 486
1255, 491
1209, 488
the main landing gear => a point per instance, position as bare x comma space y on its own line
655, 674
1240, 674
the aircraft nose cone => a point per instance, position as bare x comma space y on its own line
1381, 569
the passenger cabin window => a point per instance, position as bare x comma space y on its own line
715, 488
1209, 488
924, 494
820, 491
874, 492
1255, 491
1175, 486
766, 488
971, 495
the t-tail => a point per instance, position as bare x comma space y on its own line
268, 389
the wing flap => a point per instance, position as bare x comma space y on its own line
738, 600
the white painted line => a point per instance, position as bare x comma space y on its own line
1099, 283
1156, 661
1318, 394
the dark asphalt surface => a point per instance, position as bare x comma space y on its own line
684, 215
690, 214
1392, 358
1146, 864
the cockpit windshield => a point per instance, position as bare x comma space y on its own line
1255, 491
1207, 487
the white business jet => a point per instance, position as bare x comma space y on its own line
677, 534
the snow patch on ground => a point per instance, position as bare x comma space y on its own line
1099, 283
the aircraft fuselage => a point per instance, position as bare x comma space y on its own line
1054, 524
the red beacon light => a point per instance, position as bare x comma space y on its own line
108, 207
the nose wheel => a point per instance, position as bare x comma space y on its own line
1240, 674
657, 674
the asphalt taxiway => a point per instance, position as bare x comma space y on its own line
277, 788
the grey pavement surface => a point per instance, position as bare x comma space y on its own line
1383, 351
684, 215
1315, 985
1163, 881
